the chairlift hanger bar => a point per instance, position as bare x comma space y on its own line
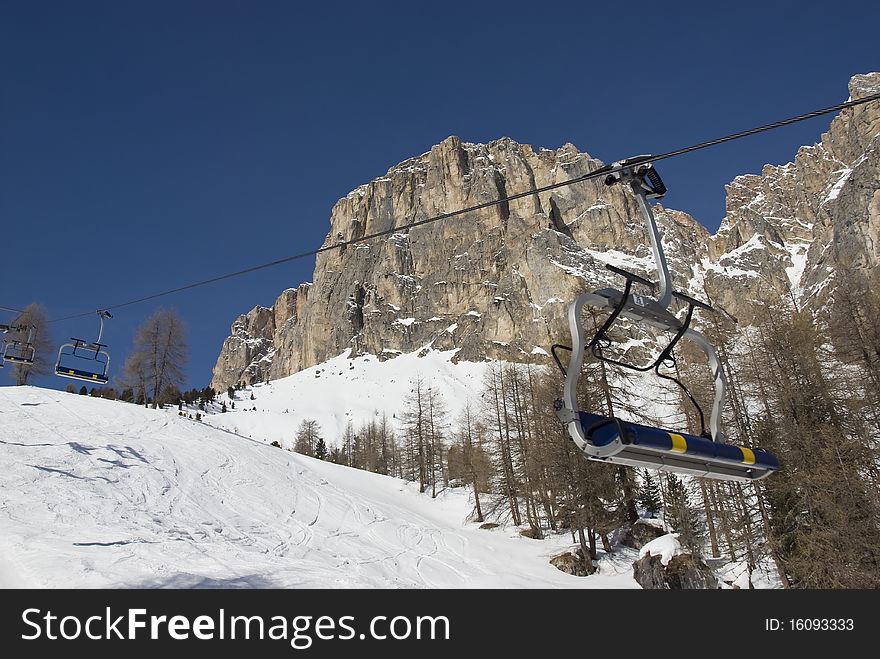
613, 440
602, 171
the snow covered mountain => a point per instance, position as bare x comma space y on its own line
494, 283
100, 493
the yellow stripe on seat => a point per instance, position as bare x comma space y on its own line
679, 443
748, 455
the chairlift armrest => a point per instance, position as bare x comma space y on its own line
87, 344
630, 275
691, 301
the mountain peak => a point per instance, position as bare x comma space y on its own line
494, 283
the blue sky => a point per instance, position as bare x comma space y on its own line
145, 145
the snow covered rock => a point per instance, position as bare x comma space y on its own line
532, 534
663, 565
665, 546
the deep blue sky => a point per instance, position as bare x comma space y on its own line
144, 145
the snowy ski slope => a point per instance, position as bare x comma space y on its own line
342, 390
97, 493
363, 388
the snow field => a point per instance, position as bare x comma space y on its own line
100, 493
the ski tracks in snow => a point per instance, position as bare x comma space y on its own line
100, 493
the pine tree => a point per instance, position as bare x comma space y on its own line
823, 503
416, 425
156, 365
321, 449
649, 495
681, 516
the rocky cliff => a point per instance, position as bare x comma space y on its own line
787, 229
495, 283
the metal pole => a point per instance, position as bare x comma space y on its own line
656, 243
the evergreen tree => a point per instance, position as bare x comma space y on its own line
681, 516
823, 503
321, 449
649, 495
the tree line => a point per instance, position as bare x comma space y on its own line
804, 385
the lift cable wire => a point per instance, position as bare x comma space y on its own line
603, 171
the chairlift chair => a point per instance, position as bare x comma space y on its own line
17, 351
613, 440
84, 360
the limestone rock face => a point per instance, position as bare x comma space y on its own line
495, 283
788, 229
247, 354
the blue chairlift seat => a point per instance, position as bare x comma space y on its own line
639, 445
79, 374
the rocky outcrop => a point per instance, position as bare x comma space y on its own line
573, 563
683, 572
248, 353
789, 228
494, 283
640, 533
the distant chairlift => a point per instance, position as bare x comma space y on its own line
17, 351
82, 360
613, 440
